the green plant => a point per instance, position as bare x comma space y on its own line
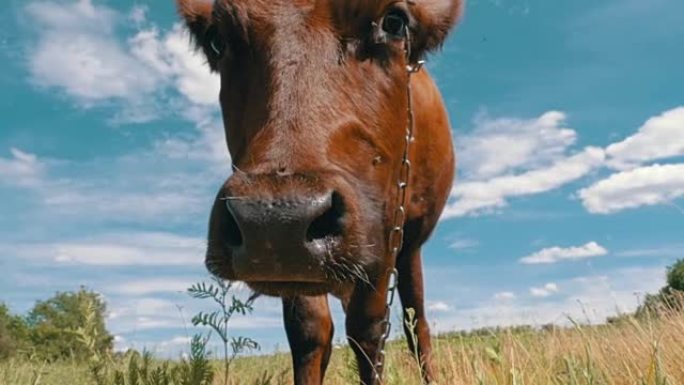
675, 275
13, 333
670, 298
197, 369
411, 324
52, 324
219, 291
88, 334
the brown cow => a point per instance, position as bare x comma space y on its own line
314, 100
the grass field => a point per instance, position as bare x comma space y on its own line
626, 352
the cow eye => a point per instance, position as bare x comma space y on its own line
395, 24
216, 43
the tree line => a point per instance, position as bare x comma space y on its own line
49, 331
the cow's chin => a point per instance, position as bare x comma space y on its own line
292, 289
334, 276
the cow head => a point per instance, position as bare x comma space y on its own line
313, 94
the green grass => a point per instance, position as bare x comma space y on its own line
646, 352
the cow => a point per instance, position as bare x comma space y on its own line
315, 98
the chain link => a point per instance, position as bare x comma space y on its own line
396, 236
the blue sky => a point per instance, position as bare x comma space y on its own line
568, 119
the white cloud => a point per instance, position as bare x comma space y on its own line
175, 341
152, 187
463, 244
644, 186
438, 307
143, 249
499, 146
76, 199
509, 157
504, 296
129, 315
542, 292
584, 299
152, 286
138, 14
209, 146
22, 169
471, 198
659, 138
193, 78
668, 251
171, 56
79, 52
134, 314
558, 254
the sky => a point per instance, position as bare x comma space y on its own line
568, 119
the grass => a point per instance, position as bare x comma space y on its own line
646, 352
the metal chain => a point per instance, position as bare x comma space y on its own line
396, 235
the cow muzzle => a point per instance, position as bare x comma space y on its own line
287, 233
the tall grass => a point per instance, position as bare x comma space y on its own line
631, 351
645, 351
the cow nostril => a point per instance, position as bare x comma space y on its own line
233, 235
328, 224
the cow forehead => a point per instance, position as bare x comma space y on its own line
275, 11
298, 49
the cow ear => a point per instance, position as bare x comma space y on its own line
198, 17
432, 21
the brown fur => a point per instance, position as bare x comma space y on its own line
311, 103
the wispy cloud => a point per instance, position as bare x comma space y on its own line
21, 169
644, 186
660, 137
504, 296
134, 249
639, 183
463, 244
438, 307
542, 292
79, 52
118, 249
472, 198
503, 145
506, 157
151, 286
558, 254
669, 251
585, 299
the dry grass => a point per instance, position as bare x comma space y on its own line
629, 352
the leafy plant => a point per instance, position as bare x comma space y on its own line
89, 335
52, 324
411, 324
675, 275
219, 291
197, 370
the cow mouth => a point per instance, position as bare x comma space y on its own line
330, 267
290, 289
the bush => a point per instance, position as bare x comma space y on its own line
13, 333
670, 298
7, 343
52, 324
675, 276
